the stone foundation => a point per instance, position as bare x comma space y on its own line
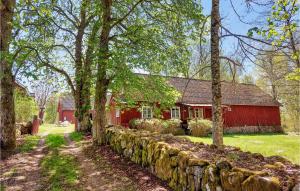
254, 129
182, 169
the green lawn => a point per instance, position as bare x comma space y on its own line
267, 144
54, 129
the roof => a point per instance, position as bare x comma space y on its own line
67, 103
23, 89
199, 91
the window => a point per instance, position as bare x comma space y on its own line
198, 113
175, 113
191, 113
146, 112
118, 113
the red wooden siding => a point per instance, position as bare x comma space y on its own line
242, 115
67, 115
128, 114
112, 119
239, 116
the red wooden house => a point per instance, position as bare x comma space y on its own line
246, 108
66, 109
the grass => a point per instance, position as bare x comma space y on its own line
55, 141
61, 171
287, 146
76, 136
54, 129
30, 142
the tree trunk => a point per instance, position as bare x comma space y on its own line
215, 74
82, 93
86, 122
295, 51
100, 115
102, 81
7, 110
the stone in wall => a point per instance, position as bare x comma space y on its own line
184, 167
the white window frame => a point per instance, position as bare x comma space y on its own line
118, 112
151, 112
191, 112
176, 109
198, 112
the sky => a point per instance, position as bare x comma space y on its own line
231, 21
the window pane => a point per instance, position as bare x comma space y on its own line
175, 112
199, 113
146, 112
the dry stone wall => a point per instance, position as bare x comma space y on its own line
181, 168
254, 129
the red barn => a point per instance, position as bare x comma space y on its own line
246, 108
65, 109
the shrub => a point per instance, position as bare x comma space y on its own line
173, 126
173, 123
200, 127
25, 107
158, 125
51, 110
152, 125
134, 123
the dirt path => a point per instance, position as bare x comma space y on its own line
101, 169
22, 171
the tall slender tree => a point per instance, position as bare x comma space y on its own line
7, 112
215, 76
102, 79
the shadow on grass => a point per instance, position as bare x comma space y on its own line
30, 142
55, 141
76, 136
61, 171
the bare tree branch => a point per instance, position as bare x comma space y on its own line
56, 69
127, 14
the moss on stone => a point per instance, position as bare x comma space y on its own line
247, 172
163, 168
183, 157
231, 181
197, 162
211, 180
255, 182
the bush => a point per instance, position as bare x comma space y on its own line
134, 123
173, 126
152, 125
200, 127
173, 123
51, 110
25, 107
158, 125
